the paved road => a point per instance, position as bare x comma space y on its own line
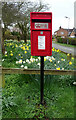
65, 49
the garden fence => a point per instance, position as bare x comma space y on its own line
4, 71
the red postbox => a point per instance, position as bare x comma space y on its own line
41, 33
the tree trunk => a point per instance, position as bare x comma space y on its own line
3, 48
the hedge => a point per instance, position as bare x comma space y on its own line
71, 41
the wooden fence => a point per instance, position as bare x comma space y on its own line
34, 71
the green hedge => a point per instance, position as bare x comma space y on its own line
71, 41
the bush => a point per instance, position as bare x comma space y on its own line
72, 41
8, 37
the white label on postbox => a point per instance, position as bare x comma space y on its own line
41, 25
41, 42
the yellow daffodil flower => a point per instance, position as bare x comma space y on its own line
58, 68
16, 45
54, 64
11, 54
25, 52
70, 63
6, 55
50, 60
31, 56
23, 48
72, 58
27, 48
62, 59
68, 54
44, 59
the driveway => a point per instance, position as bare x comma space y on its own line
65, 49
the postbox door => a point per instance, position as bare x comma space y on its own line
41, 43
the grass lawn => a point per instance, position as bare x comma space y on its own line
65, 44
21, 97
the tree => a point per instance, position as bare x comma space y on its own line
19, 14
28, 7
10, 15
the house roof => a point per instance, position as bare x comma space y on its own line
70, 30
74, 29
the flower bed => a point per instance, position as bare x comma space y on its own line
18, 54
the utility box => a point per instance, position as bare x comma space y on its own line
41, 33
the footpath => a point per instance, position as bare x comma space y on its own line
65, 49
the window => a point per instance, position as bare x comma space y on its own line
62, 33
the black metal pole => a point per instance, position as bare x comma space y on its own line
42, 79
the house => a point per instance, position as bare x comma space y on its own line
65, 32
73, 33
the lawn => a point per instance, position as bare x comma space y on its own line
67, 45
21, 95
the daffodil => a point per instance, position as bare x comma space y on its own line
58, 61
5, 52
25, 67
27, 60
52, 49
39, 58
16, 45
72, 58
54, 64
70, 63
23, 48
58, 50
16, 62
19, 54
36, 60
50, 60
68, 54
6, 55
12, 46
20, 61
58, 68
31, 56
22, 66
11, 54
27, 48
23, 61
2, 60
38, 64
25, 52
44, 59
62, 59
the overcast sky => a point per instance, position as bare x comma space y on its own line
60, 9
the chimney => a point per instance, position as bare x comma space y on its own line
60, 27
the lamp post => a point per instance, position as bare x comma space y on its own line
68, 28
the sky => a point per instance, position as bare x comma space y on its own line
60, 9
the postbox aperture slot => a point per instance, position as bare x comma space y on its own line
41, 20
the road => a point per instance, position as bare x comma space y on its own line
65, 49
